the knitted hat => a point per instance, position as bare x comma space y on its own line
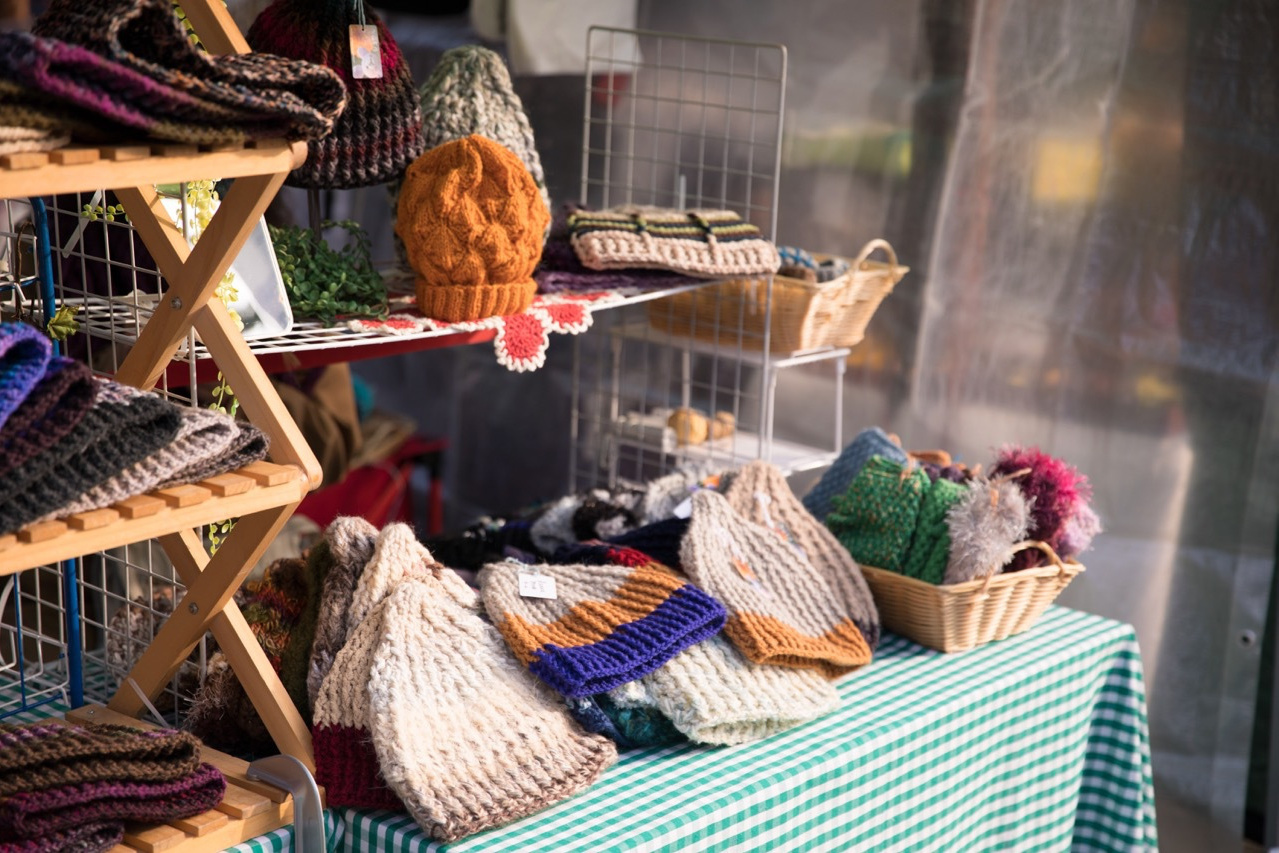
123, 427
628, 727
713, 694
463, 733
553, 527
600, 518
659, 540
339, 559
471, 220
701, 243
53, 408
272, 96
869, 442
930, 542
876, 518
780, 609
983, 525
203, 437
86, 838
17, 139
759, 493
606, 626
663, 495
248, 444
380, 131
43, 755
35, 814
24, 354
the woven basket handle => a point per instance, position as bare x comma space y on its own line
870, 248
1017, 549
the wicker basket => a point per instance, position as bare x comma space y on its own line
805, 315
962, 616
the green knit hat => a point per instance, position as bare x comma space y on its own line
876, 517
930, 545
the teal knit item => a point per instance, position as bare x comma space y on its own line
930, 545
876, 518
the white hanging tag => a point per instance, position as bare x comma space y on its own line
534, 584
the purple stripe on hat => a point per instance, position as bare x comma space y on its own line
24, 354
632, 650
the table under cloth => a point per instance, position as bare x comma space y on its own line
1038, 742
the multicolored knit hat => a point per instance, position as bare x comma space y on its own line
760, 493
380, 131
781, 610
123, 427
271, 96
339, 560
36, 814
989, 518
86, 838
471, 220
876, 518
700, 243
930, 542
203, 437
463, 733
606, 626
38, 756
24, 355
53, 408
248, 444
868, 443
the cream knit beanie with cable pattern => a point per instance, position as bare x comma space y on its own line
781, 610
760, 493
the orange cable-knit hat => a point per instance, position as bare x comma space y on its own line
472, 220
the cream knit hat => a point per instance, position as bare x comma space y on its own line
759, 492
712, 694
781, 610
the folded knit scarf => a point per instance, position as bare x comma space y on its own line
24, 353
52, 409
37, 756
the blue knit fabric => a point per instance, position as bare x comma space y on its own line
869, 442
660, 540
629, 728
24, 354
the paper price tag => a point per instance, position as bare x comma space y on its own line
366, 53
684, 509
537, 585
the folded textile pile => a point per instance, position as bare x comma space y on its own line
69, 787
102, 70
71, 443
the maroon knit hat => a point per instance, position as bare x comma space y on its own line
380, 132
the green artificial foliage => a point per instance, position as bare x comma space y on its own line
325, 283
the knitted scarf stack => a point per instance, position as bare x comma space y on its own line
840, 475
24, 355
55, 406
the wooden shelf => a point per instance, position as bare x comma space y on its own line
83, 169
252, 489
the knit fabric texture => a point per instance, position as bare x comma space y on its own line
123, 427
203, 437
267, 95
472, 221
16, 140
248, 444
760, 493
840, 475
929, 548
38, 756
560, 269
700, 243
28, 108
380, 131
553, 526
348, 545
663, 495
607, 625
86, 838
876, 518
781, 610
599, 518
631, 727
24, 354
989, 518
52, 409
660, 540
35, 814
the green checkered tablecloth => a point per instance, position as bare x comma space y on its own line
1035, 743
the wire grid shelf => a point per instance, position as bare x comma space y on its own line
683, 122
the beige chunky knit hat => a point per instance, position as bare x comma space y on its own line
760, 493
712, 694
781, 610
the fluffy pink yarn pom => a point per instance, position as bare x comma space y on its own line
1056, 492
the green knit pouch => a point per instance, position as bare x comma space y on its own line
930, 545
875, 518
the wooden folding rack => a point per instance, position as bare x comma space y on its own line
261, 496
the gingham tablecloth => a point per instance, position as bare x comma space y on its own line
1038, 743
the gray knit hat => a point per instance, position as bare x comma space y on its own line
781, 609
347, 547
760, 493
712, 694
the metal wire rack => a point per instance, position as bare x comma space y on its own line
683, 122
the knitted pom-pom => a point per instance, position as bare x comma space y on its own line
1080, 530
1055, 488
984, 524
